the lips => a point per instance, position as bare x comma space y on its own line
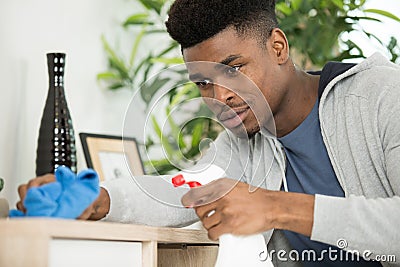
233, 117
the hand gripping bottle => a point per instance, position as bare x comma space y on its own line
234, 251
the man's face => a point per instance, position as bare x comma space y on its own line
236, 77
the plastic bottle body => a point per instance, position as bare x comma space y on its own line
239, 251
234, 251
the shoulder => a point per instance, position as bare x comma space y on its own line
372, 79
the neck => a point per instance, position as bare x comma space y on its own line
297, 103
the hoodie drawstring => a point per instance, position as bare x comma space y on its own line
280, 157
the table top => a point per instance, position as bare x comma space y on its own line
98, 230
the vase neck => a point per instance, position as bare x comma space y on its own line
55, 64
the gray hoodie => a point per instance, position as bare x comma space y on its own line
360, 124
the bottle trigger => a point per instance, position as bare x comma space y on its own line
179, 180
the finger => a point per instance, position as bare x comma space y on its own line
41, 180
21, 192
211, 220
204, 211
208, 193
215, 232
86, 213
38, 181
20, 206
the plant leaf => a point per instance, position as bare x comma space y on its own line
285, 9
296, 4
171, 47
135, 46
364, 18
116, 86
138, 19
156, 5
107, 76
197, 133
163, 139
167, 61
141, 64
338, 3
157, 167
115, 62
175, 130
147, 90
383, 13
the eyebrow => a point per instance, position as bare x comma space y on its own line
229, 59
195, 77
226, 61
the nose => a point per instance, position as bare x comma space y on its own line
222, 94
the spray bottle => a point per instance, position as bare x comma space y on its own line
234, 251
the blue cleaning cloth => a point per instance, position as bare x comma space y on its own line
67, 197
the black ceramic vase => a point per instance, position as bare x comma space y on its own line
56, 141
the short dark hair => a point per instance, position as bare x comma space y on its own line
191, 22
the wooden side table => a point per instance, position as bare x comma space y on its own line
56, 243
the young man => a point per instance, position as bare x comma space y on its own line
337, 138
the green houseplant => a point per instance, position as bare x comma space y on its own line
315, 31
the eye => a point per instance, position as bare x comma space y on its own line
232, 71
203, 84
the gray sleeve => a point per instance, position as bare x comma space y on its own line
132, 202
151, 200
369, 224
364, 224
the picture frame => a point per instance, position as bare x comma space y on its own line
111, 155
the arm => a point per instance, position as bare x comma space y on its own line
115, 204
368, 223
122, 200
116, 196
144, 200
365, 224
159, 204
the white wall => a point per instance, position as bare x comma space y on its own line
28, 30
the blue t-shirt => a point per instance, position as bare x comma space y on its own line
310, 171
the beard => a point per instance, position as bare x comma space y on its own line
253, 131
246, 133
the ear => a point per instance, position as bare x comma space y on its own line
279, 46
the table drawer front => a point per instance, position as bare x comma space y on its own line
69, 252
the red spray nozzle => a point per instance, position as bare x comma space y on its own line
193, 184
179, 180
